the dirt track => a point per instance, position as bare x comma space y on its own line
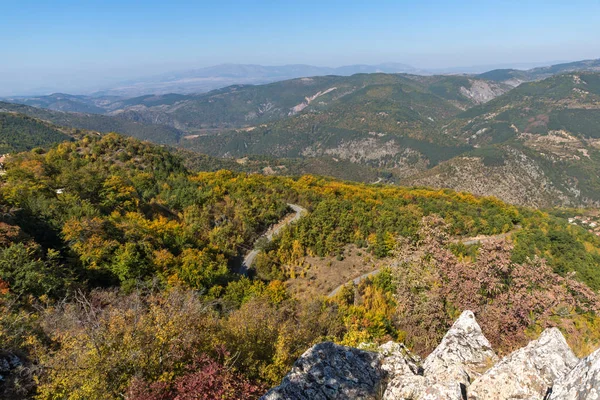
249, 259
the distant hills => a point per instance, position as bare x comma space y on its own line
535, 144
100, 123
360, 118
20, 132
202, 80
215, 77
514, 76
240, 106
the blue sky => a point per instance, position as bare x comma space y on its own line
90, 43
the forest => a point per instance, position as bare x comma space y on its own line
119, 272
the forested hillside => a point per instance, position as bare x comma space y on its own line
118, 272
19, 133
514, 76
99, 123
239, 106
378, 120
542, 138
535, 145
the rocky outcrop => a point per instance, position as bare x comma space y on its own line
463, 366
329, 371
581, 383
463, 354
417, 387
483, 91
528, 373
399, 360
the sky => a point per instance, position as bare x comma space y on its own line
77, 45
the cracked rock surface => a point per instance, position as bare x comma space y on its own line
330, 371
582, 382
528, 373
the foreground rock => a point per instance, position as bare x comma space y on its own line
581, 383
528, 373
464, 366
329, 371
406, 380
399, 361
463, 354
417, 387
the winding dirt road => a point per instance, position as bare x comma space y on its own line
249, 259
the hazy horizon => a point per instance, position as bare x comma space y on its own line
111, 79
74, 47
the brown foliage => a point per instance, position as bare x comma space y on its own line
10, 234
206, 380
510, 300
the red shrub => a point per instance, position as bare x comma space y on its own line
206, 380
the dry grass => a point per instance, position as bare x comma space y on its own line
319, 276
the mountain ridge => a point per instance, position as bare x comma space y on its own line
536, 144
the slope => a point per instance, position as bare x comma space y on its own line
380, 120
100, 123
540, 140
19, 133
514, 77
137, 254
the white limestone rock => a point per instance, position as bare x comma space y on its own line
417, 387
463, 355
527, 373
582, 382
442, 391
399, 361
405, 387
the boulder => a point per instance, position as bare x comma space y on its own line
463, 354
329, 371
582, 382
527, 373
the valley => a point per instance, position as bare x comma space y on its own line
529, 144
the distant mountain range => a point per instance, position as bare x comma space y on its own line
206, 79
203, 80
209, 78
514, 76
528, 137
